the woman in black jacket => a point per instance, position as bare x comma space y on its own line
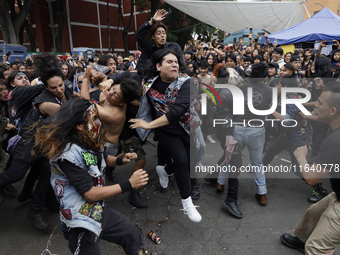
157, 32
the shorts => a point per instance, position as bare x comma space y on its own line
133, 144
111, 149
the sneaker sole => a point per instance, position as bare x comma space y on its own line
224, 205
291, 246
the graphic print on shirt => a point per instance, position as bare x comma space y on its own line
158, 102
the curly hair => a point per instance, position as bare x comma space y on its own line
47, 66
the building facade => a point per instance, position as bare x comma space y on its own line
61, 25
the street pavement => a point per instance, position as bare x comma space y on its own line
218, 233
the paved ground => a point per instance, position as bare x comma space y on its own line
218, 233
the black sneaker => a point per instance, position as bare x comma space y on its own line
195, 191
293, 242
37, 220
232, 208
319, 193
136, 199
10, 189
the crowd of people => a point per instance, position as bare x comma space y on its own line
69, 122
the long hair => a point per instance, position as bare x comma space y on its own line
53, 135
150, 70
214, 59
323, 68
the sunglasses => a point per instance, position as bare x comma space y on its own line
80, 82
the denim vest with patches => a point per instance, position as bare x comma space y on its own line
75, 211
190, 121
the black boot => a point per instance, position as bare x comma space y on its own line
319, 192
195, 189
37, 220
136, 199
293, 242
232, 207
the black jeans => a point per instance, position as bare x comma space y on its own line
116, 228
279, 145
236, 160
178, 147
22, 160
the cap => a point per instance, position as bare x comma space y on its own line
273, 64
295, 58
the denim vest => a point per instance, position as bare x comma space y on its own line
75, 211
190, 121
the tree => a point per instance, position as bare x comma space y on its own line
11, 23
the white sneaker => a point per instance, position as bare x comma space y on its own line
190, 209
163, 176
210, 139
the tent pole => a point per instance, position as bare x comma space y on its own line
306, 10
288, 24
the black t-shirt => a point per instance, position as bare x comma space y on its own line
329, 158
176, 111
20, 103
262, 98
35, 114
78, 177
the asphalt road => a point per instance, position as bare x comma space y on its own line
218, 233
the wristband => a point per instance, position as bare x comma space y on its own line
153, 20
125, 186
119, 161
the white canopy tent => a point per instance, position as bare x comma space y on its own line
234, 16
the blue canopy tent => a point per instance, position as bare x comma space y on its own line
322, 26
240, 33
